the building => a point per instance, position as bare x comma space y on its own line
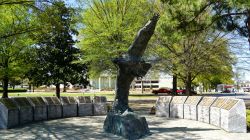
152, 80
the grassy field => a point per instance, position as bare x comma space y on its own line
109, 94
248, 119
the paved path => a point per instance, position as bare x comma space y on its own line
90, 128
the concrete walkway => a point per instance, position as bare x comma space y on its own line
90, 128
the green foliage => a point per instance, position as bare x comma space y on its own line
16, 23
55, 54
187, 47
248, 118
109, 28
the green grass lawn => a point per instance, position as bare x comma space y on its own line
248, 119
110, 95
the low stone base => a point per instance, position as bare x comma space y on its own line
54, 111
40, 113
69, 110
128, 125
100, 108
85, 109
26, 115
176, 111
215, 118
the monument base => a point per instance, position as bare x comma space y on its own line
128, 125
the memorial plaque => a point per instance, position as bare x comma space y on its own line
233, 116
100, 99
69, 106
25, 110
190, 107
84, 99
54, 107
100, 105
204, 109
39, 108
215, 109
229, 104
85, 106
162, 106
9, 113
219, 102
177, 106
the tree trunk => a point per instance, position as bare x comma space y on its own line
5, 87
58, 90
64, 87
33, 88
142, 88
30, 87
188, 84
175, 84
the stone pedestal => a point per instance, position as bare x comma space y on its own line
100, 105
39, 108
54, 107
162, 106
85, 106
204, 109
9, 114
25, 110
233, 116
69, 106
128, 125
215, 118
190, 107
176, 107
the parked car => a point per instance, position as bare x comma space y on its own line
162, 90
226, 91
183, 91
170, 91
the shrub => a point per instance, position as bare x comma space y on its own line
248, 119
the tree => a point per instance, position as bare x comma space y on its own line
13, 44
56, 52
109, 27
185, 46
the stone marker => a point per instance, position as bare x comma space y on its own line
100, 105
176, 107
204, 109
190, 107
69, 106
39, 108
25, 110
233, 116
85, 106
9, 113
128, 125
215, 117
162, 106
54, 107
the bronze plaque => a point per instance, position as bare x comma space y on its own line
37, 101
165, 99
72, 100
219, 102
8, 103
65, 100
193, 100
100, 99
229, 104
178, 99
83, 99
207, 101
22, 101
